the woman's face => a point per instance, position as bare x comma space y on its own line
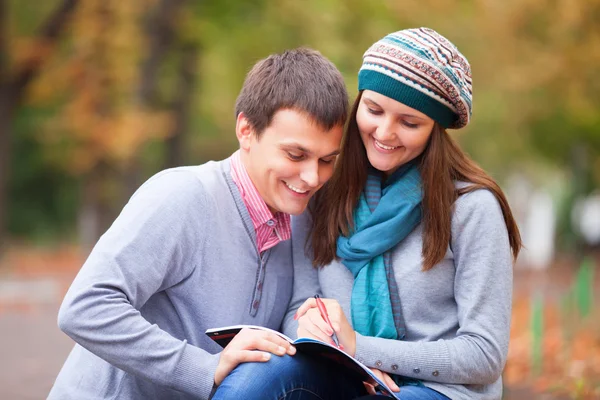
392, 132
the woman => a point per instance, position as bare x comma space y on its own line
413, 242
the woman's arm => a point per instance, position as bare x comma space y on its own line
306, 279
483, 294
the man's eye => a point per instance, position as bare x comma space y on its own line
294, 157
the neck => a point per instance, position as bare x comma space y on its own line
249, 170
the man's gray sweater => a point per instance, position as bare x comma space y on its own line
179, 259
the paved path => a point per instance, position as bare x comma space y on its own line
33, 349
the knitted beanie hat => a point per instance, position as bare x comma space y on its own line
423, 70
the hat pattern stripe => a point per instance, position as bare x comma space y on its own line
425, 47
441, 78
406, 57
445, 44
395, 62
442, 50
408, 72
399, 49
409, 82
437, 52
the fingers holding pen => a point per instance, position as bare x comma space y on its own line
332, 306
314, 320
312, 325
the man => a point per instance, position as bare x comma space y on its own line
206, 246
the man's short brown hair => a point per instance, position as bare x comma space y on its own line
300, 79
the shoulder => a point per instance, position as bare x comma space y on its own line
478, 214
182, 181
178, 189
475, 201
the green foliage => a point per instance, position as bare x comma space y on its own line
577, 303
534, 67
584, 283
43, 199
537, 334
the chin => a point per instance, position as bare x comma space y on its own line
385, 167
294, 209
381, 168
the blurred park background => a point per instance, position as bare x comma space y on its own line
98, 95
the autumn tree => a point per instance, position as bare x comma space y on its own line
15, 77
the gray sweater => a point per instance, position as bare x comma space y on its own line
457, 315
179, 259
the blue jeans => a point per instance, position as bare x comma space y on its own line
410, 393
300, 377
296, 377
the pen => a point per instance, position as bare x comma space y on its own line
323, 311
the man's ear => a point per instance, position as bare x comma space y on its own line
244, 131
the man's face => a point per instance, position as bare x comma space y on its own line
291, 160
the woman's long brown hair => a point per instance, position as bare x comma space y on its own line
442, 164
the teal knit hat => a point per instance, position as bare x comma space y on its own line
422, 69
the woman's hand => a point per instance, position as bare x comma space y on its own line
250, 345
385, 378
311, 324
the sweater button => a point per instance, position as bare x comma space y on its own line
256, 303
416, 370
435, 373
378, 364
394, 367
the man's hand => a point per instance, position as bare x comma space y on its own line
250, 345
311, 324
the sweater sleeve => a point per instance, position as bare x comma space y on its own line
306, 280
483, 294
149, 248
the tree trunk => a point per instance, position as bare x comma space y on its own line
161, 32
96, 213
182, 106
12, 89
4, 132
97, 199
4, 169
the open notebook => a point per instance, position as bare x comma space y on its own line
316, 348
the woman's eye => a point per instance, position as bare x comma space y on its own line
409, 125
328, 161
374, 112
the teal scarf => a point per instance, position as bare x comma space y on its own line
377, 230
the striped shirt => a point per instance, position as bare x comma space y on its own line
270, 229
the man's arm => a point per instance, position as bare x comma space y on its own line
148, 249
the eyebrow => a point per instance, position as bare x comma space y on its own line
374, 103
296, 146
